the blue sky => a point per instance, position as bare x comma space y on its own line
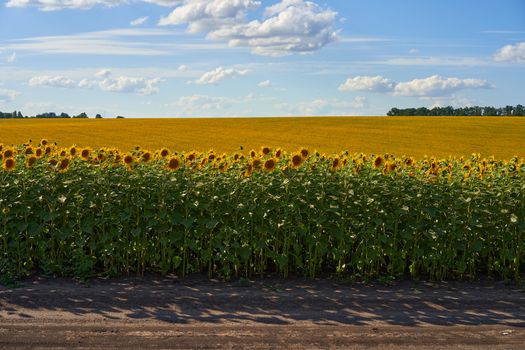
191, 58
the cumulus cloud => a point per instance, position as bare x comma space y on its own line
433, 86
136, 85
436, 85
197, 104
58, 81
326, 107
218, 74
139, 21
367, 83
55, 5
104, 80
8, 95
103, 73
205, 15
291, 26
511, 53
183, 68
11, 58
265, 84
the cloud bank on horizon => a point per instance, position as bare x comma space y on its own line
176, 58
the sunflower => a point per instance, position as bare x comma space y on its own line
48, 150
336, 163
63, 165
146, 157
191, 157
5, 211
304, 153
269, 164
39, 152
174, 163
256, 162
29, 150
63, 153
253, 153
53, 162
265, 150
30, 161
297, 160
129, 160
164, 152
409, 162
378, 161
84, 154
278, 153
223, 167
73, 151
43, 142
9, 153
9, 164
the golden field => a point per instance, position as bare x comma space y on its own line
412, 136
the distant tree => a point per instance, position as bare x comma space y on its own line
81, 115
98, 116
120, 117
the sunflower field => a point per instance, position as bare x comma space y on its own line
85, 212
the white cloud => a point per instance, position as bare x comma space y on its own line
432, 86
103, 73
105, 82
87, 84
197, 104
54, 5
183, 68
413, 51
325, 107
139, 21
291, 26
436, 85
205, 15
122, 42
367, 83
218, 74
8, 95
136, 85
52, 81
511, 53
265, 84
11, 58
454, 101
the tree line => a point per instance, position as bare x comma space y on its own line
518, 110
19, 115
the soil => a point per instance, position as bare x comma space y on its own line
195, 312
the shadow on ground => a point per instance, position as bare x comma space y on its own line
267, 301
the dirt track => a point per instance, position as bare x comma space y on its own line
156, 312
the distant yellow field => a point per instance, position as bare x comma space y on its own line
413, 136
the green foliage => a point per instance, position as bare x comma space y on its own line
93, 220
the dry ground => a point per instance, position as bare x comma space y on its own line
156, 312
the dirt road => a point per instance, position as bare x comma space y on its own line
156, 312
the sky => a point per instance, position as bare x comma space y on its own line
224, 58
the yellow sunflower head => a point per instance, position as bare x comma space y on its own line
265, 150
304, 153
378, 161
270, 164
30, 161
9, 153
9, 164
63, 165
164, 152
297, 160
173, 163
